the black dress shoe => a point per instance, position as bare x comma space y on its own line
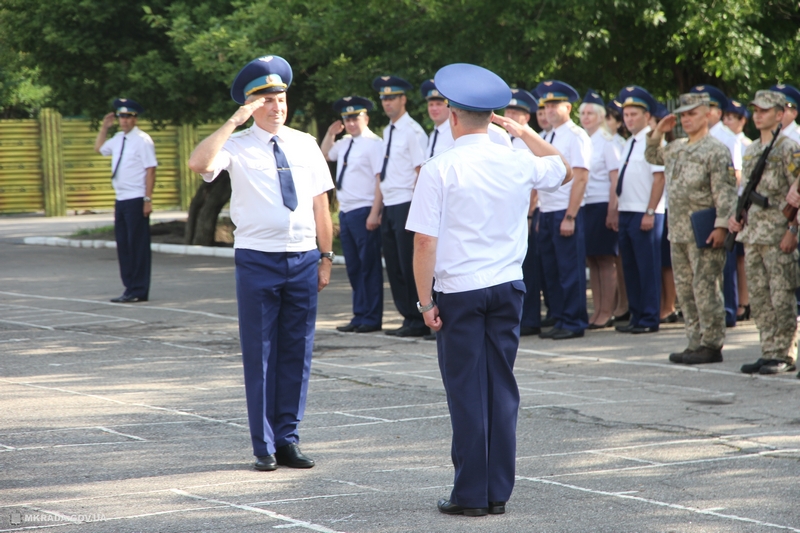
419, 331
364, 328
644, 329
669, 319
291, 456
349, 328
745, 314
450, 508
703, 355
394, 332
608, 324
128, 299
753, 368
265, 463
625, 329
549, 334
623, 318
548, 322
776, 366
567, 334
497, 507
529, 330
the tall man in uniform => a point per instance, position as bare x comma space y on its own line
561, 238
770, 245
404, 143
702, 178
358, 156
133, 176
468, 213
280, 208
640, 193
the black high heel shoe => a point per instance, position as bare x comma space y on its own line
746, 314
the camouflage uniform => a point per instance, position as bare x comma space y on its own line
700, 176
772, 275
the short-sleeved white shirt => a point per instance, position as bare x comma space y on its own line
576, 147
605, 158
474, 198
407, 152
363, 162
499, 136
444, 140
792, 131
138, 156
720, 132
262, 222
637, 183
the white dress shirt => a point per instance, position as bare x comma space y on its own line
720, 132
363, 162
637, 183
262, 222
406, 154
444, 139
138, 156
499, 136
605, 158
576, 147
474, 198
792, 131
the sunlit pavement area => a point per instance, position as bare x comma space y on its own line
131, 418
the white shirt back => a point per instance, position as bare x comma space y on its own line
138, 156
576, 147
720, 132
637, 183
474, 198
792, 131
406, 153
262, 222
363, 162
605, 158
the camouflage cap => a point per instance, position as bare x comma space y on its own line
769, 99
689, 101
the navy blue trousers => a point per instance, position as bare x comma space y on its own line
730, 288
532, 275
277, 297
477, 347
398, 251
132, 233
641, 265
564, 270
362, 254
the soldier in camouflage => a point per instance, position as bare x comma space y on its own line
700, 176
770, 247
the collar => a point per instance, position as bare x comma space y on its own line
642, 135
443, 127
473, 138
718, 126
402, 121
265, 136
134, 129
560, 129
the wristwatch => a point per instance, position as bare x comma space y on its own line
569, 218
327, 255
425, 308
792, 230
650, 212
147, 199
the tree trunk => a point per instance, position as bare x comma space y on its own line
204, 210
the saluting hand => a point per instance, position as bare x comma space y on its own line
108, 120
336, 128
432, 319
667, 123
514, 128
246, 111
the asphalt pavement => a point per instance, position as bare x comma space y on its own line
131, 418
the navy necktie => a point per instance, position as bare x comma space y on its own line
122, 151
552, 137
386, 157
435, 136
622, 170
344, 164
285, 176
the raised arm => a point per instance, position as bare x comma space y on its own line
533, 141
108, 120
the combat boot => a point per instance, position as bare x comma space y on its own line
677, 357
703, 355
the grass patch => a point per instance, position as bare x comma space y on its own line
93, 231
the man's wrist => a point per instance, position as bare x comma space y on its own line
147, 199
427, 307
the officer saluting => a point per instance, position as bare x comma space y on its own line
469, 212
359, 156
280, 208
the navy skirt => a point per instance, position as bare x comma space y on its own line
666, 258
599, 239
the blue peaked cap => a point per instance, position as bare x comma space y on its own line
472, 87
352, 105
126, 105
633, 95
429, 91
267, 73
592, 97
791, 93
717, 97
660, 111
522, 99
556, 91
391, 85
737, 108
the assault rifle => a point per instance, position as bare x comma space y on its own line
749, 195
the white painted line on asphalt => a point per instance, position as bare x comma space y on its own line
292, 500
27, 324
46, 312
433, 404
362, 416
362, 367
128, 306
134, 437
585, 404
351, 484
659, 503
626, 458
299, 523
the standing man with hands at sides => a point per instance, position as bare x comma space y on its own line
441, 138
790, 126
133, 176
770, 244
280, 208
701, 177
561, 232
404, 143
468, 213
359, 156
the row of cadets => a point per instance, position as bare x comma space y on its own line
600, 209
358, 156
640, 191
561, 232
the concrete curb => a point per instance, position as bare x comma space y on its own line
178, 249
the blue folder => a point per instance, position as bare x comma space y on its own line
703, 225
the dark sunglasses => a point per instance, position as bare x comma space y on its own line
125, 115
